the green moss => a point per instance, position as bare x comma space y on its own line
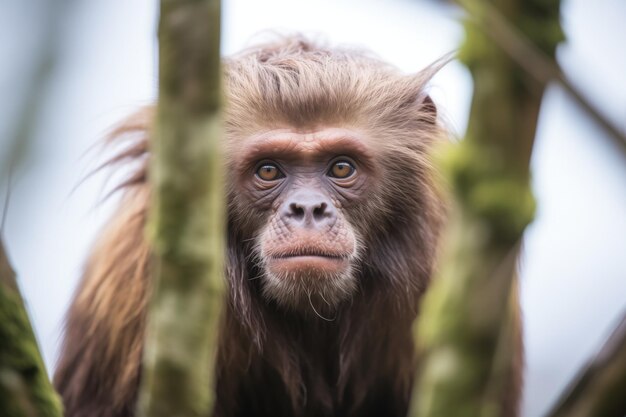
488, 189
539, 23
505, 203
24, 386
544, 32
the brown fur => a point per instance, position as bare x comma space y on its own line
270, 361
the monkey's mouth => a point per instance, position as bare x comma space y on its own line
309, 261
312, 254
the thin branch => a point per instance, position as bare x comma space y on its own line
600, 388
46, 55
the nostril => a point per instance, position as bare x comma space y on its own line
320, 211
296, 211
308, 211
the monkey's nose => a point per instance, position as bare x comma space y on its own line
309, 210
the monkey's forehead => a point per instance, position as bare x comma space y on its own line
304, 143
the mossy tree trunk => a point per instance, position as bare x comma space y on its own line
465, 337
186, 226
25, 390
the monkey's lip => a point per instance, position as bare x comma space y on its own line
321, 262
311, 255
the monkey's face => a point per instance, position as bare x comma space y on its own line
302, 187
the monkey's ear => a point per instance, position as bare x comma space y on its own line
427, 110
425, 105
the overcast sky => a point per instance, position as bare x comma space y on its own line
573, 266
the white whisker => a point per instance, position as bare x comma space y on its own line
315, 311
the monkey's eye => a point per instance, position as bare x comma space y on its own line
269, 172
341, 169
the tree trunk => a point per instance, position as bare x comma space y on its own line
186, 227
466, 334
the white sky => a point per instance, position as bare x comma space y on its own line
573, 269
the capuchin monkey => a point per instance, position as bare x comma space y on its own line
333, 225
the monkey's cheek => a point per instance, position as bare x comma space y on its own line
320, 266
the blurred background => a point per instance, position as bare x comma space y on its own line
99, 65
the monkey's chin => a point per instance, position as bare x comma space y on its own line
314, 284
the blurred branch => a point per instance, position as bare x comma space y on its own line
25, 390
600, 389
34, 97
468, 330
186, 226
534, 61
